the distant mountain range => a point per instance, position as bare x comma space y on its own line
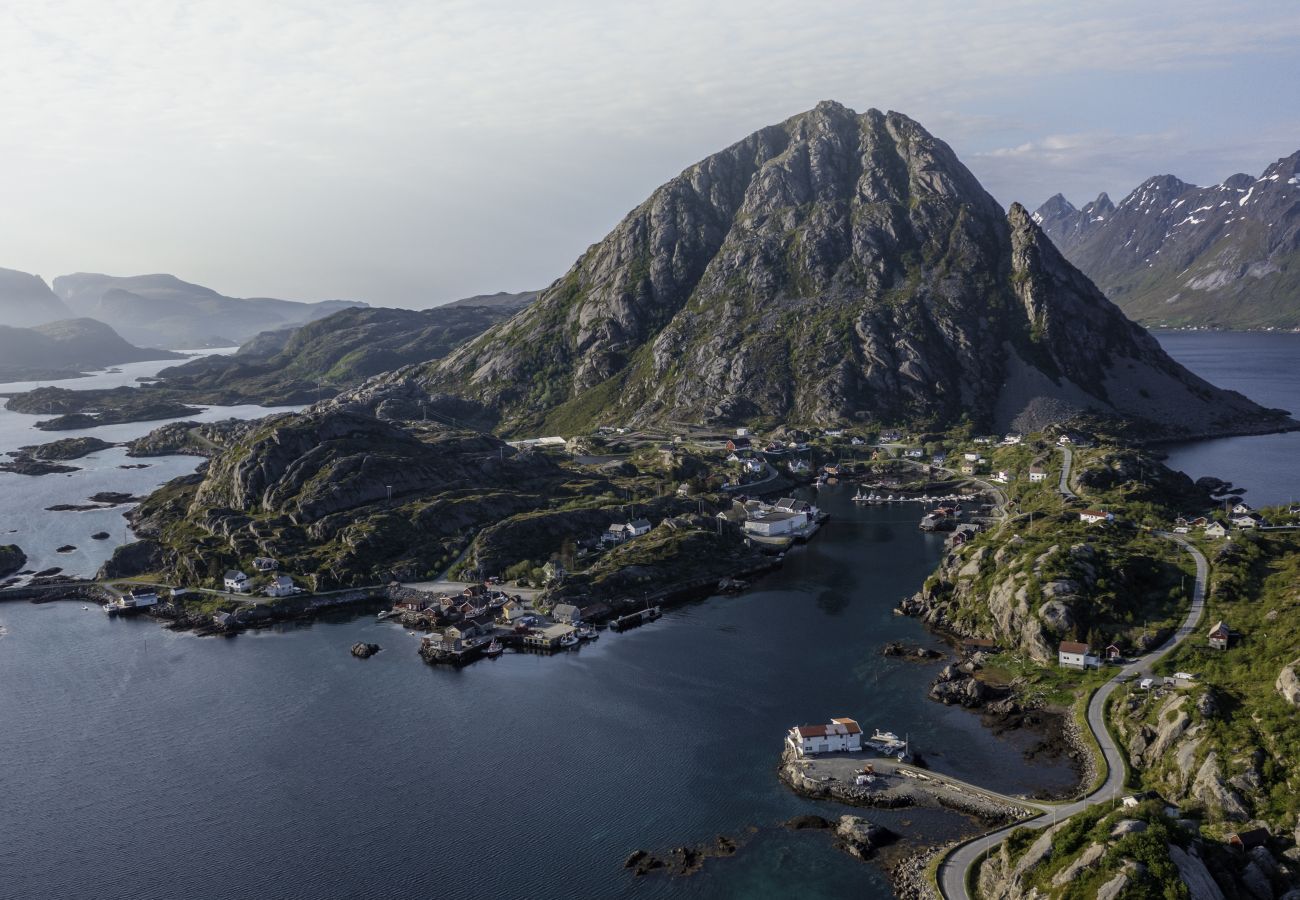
164, 311
66, 348
834, 268
1172, 253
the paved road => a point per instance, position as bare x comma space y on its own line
1064, 486
770, 478
952, 871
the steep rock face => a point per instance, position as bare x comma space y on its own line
834, 268
1227, 255
1288, 684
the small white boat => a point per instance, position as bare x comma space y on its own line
494, 649
569, 640
85, 607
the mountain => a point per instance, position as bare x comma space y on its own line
26, 300
1172, 253
499, 300
163, 310
64, 349
341, 350
834, 268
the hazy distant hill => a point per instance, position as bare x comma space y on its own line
163, 310
26, 300
1172, 253
63, 349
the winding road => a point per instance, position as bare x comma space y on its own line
953, 868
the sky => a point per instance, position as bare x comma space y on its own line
410, 153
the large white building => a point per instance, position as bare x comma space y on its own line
775, 522
839, 736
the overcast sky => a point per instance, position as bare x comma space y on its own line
411, 153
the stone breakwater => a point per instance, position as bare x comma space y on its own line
832, 777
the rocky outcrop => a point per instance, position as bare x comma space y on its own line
68, 448
1200, 883
1288, 683
362, 650
129, 560
12, 559
836, 267
861, 838
1219, 798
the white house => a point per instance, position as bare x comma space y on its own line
1012, 439
914, 453
1003, 476
775, 522
281, 586
742, 432
1074, 655
1037, 474
790, 504
236, 582
753, 466
1093, 516
839, 736
798, 466
834, 432
1244, 521
1242, 509
971, 457
1215, 530
637, 527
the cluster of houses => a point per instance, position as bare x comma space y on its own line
236, 581
1076, 655
1240, 515
786, 518
479, 614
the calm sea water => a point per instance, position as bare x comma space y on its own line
1266, 368
139, 763
24, 519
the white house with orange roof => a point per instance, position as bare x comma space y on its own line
839, 736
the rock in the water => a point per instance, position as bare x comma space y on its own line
861, 837
362, 650
800, 823
12, 559
100, 536
66, 548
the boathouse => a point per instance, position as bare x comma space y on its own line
839, 736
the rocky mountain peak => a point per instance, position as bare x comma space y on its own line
1173, 253
835, 267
